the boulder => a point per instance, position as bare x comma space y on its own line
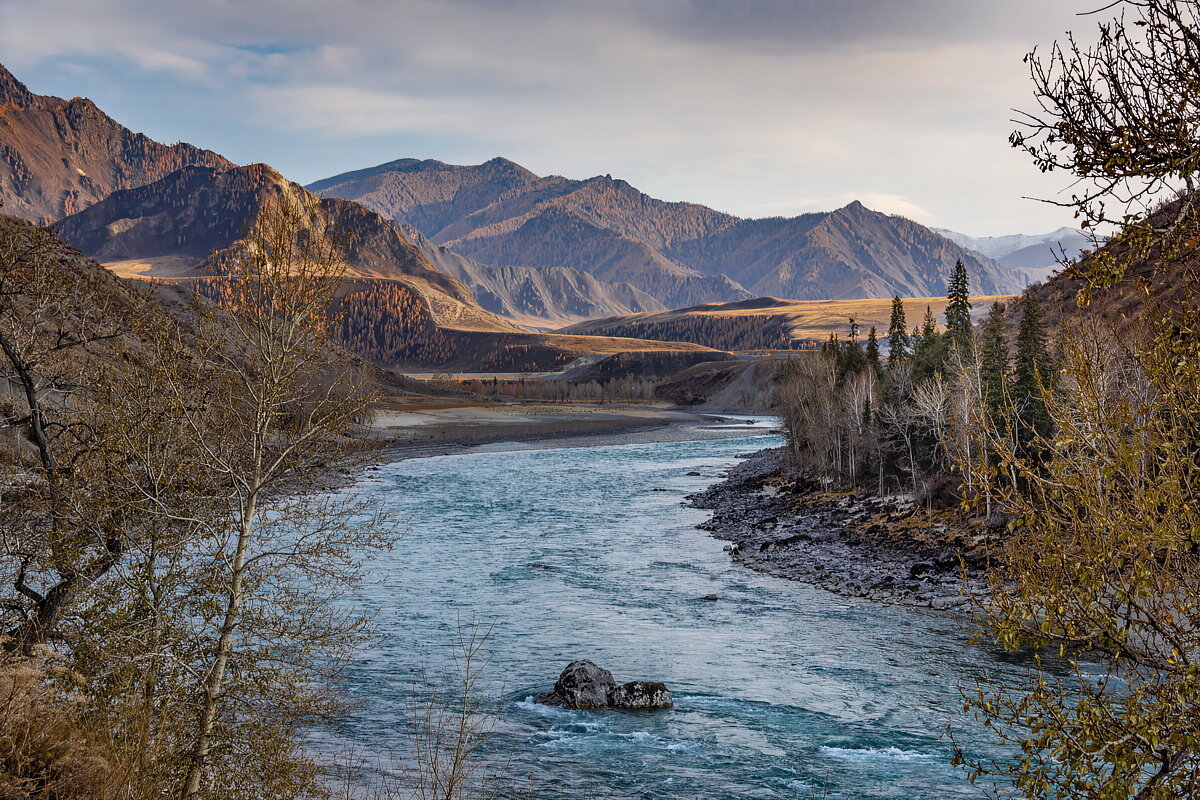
585, 686
640, 694
582, 685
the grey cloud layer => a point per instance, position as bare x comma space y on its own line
753, 107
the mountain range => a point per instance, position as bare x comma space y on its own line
398, 309
500, 213
440, 251
1036, 257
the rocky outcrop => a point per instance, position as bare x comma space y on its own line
586, 686
58, 157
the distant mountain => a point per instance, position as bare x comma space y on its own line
680, 253
537, 298
1037, 257
57, 156
398, 309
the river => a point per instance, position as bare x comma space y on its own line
781, 690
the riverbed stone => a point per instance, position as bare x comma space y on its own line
641, 694
586, 686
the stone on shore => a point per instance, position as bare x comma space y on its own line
585, 686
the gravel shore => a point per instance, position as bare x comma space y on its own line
885, 549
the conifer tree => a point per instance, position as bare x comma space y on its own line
873, 348
898, 338
1032, 370
958, 310
993, 359
928, 326
929, 351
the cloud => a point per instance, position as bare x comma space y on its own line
742, 106
341, 110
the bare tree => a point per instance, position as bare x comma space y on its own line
279, 406
60, 531
1122, 115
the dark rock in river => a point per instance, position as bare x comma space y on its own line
640, 694
584, 685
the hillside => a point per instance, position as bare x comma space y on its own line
536, 298
57, 157
171, 228
746, 325
680, 253
400, 310
1152, 285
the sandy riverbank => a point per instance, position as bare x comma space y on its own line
434, 426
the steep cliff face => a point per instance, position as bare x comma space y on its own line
680, 253
58, 157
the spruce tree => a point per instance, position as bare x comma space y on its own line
993, 360
928, 326
929, 352
1032, 371
958, 310
898, 339
873, 349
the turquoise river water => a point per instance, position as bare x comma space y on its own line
781, 690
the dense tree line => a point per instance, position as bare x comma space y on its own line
720, 332
906, 421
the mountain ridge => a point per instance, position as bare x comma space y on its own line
678, 252
58, 157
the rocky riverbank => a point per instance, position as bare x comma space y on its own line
886, 549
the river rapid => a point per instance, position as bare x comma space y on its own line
781, 690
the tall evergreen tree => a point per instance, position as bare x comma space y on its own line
1032, 370
898, 340
993, 359
958, 310
873, 349
928, 326
929, 351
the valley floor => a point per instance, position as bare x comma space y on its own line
427, 426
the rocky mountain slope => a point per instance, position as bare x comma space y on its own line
680, 253
537, 298
399, 310
58, 156
171, 229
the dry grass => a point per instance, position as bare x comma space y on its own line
814, 319
47, 750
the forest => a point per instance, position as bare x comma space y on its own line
718, 332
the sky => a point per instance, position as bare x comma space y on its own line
757, 108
